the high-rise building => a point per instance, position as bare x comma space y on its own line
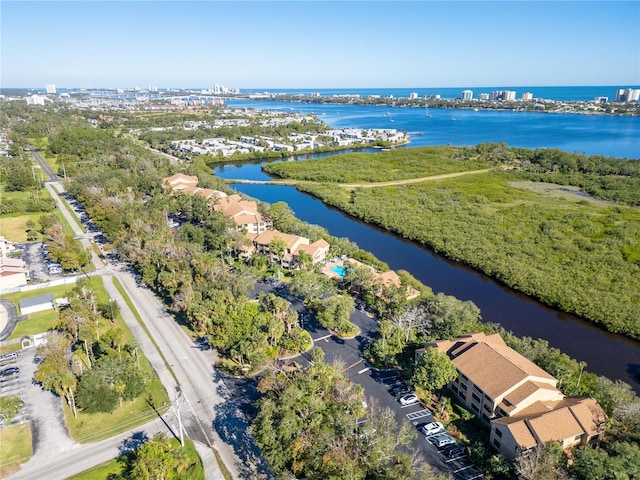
527, 96
36, 99
626, 95
50, 88
483, 96
467, 95
413, 95
507, 95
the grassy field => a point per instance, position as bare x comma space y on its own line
98, 426
42, 321
15, 448
14, 226
94, 427
89, 428
100, 472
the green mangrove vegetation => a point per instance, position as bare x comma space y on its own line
571, 252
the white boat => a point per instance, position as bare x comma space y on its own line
428, 115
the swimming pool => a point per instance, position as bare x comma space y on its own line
339, 270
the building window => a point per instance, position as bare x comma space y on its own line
454, 388
475, 407
463, 386
501, 413
496, 443
475, 387
498, 433
486, 407
463, 376
475, 397
485, 418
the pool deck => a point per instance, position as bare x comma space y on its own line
339, 262
327, 269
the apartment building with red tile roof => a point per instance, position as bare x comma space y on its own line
517, 398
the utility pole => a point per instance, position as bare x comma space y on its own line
177, 412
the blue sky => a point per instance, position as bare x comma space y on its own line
308, 44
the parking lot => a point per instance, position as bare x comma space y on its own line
376, 383
378, 386
41, 269
14, 384
41, 407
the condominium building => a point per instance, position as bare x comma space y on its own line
627, 95
505, 95
467, 95
518, 399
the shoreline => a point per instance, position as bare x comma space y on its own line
536, 105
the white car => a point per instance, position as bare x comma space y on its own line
408, 399
431, 428
442, 440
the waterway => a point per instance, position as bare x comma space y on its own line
605, 354
608, 135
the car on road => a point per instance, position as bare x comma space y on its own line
7, 372
442, 440
409, 399
431, 428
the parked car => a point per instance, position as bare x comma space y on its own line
409, 399
442, 440
401, 389
431, 428
454, 451
7, 372
8, 357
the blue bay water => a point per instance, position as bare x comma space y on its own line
608, 135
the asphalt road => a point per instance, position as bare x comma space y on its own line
209, 411
209, 414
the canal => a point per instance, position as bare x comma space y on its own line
606, 354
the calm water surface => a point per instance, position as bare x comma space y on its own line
590, 134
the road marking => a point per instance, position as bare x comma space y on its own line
364, 370
457, 458
463, 468
325, 338
419, 414
477, 476
352, 365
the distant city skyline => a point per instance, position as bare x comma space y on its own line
356, 44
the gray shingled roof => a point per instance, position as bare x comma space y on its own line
36, 300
